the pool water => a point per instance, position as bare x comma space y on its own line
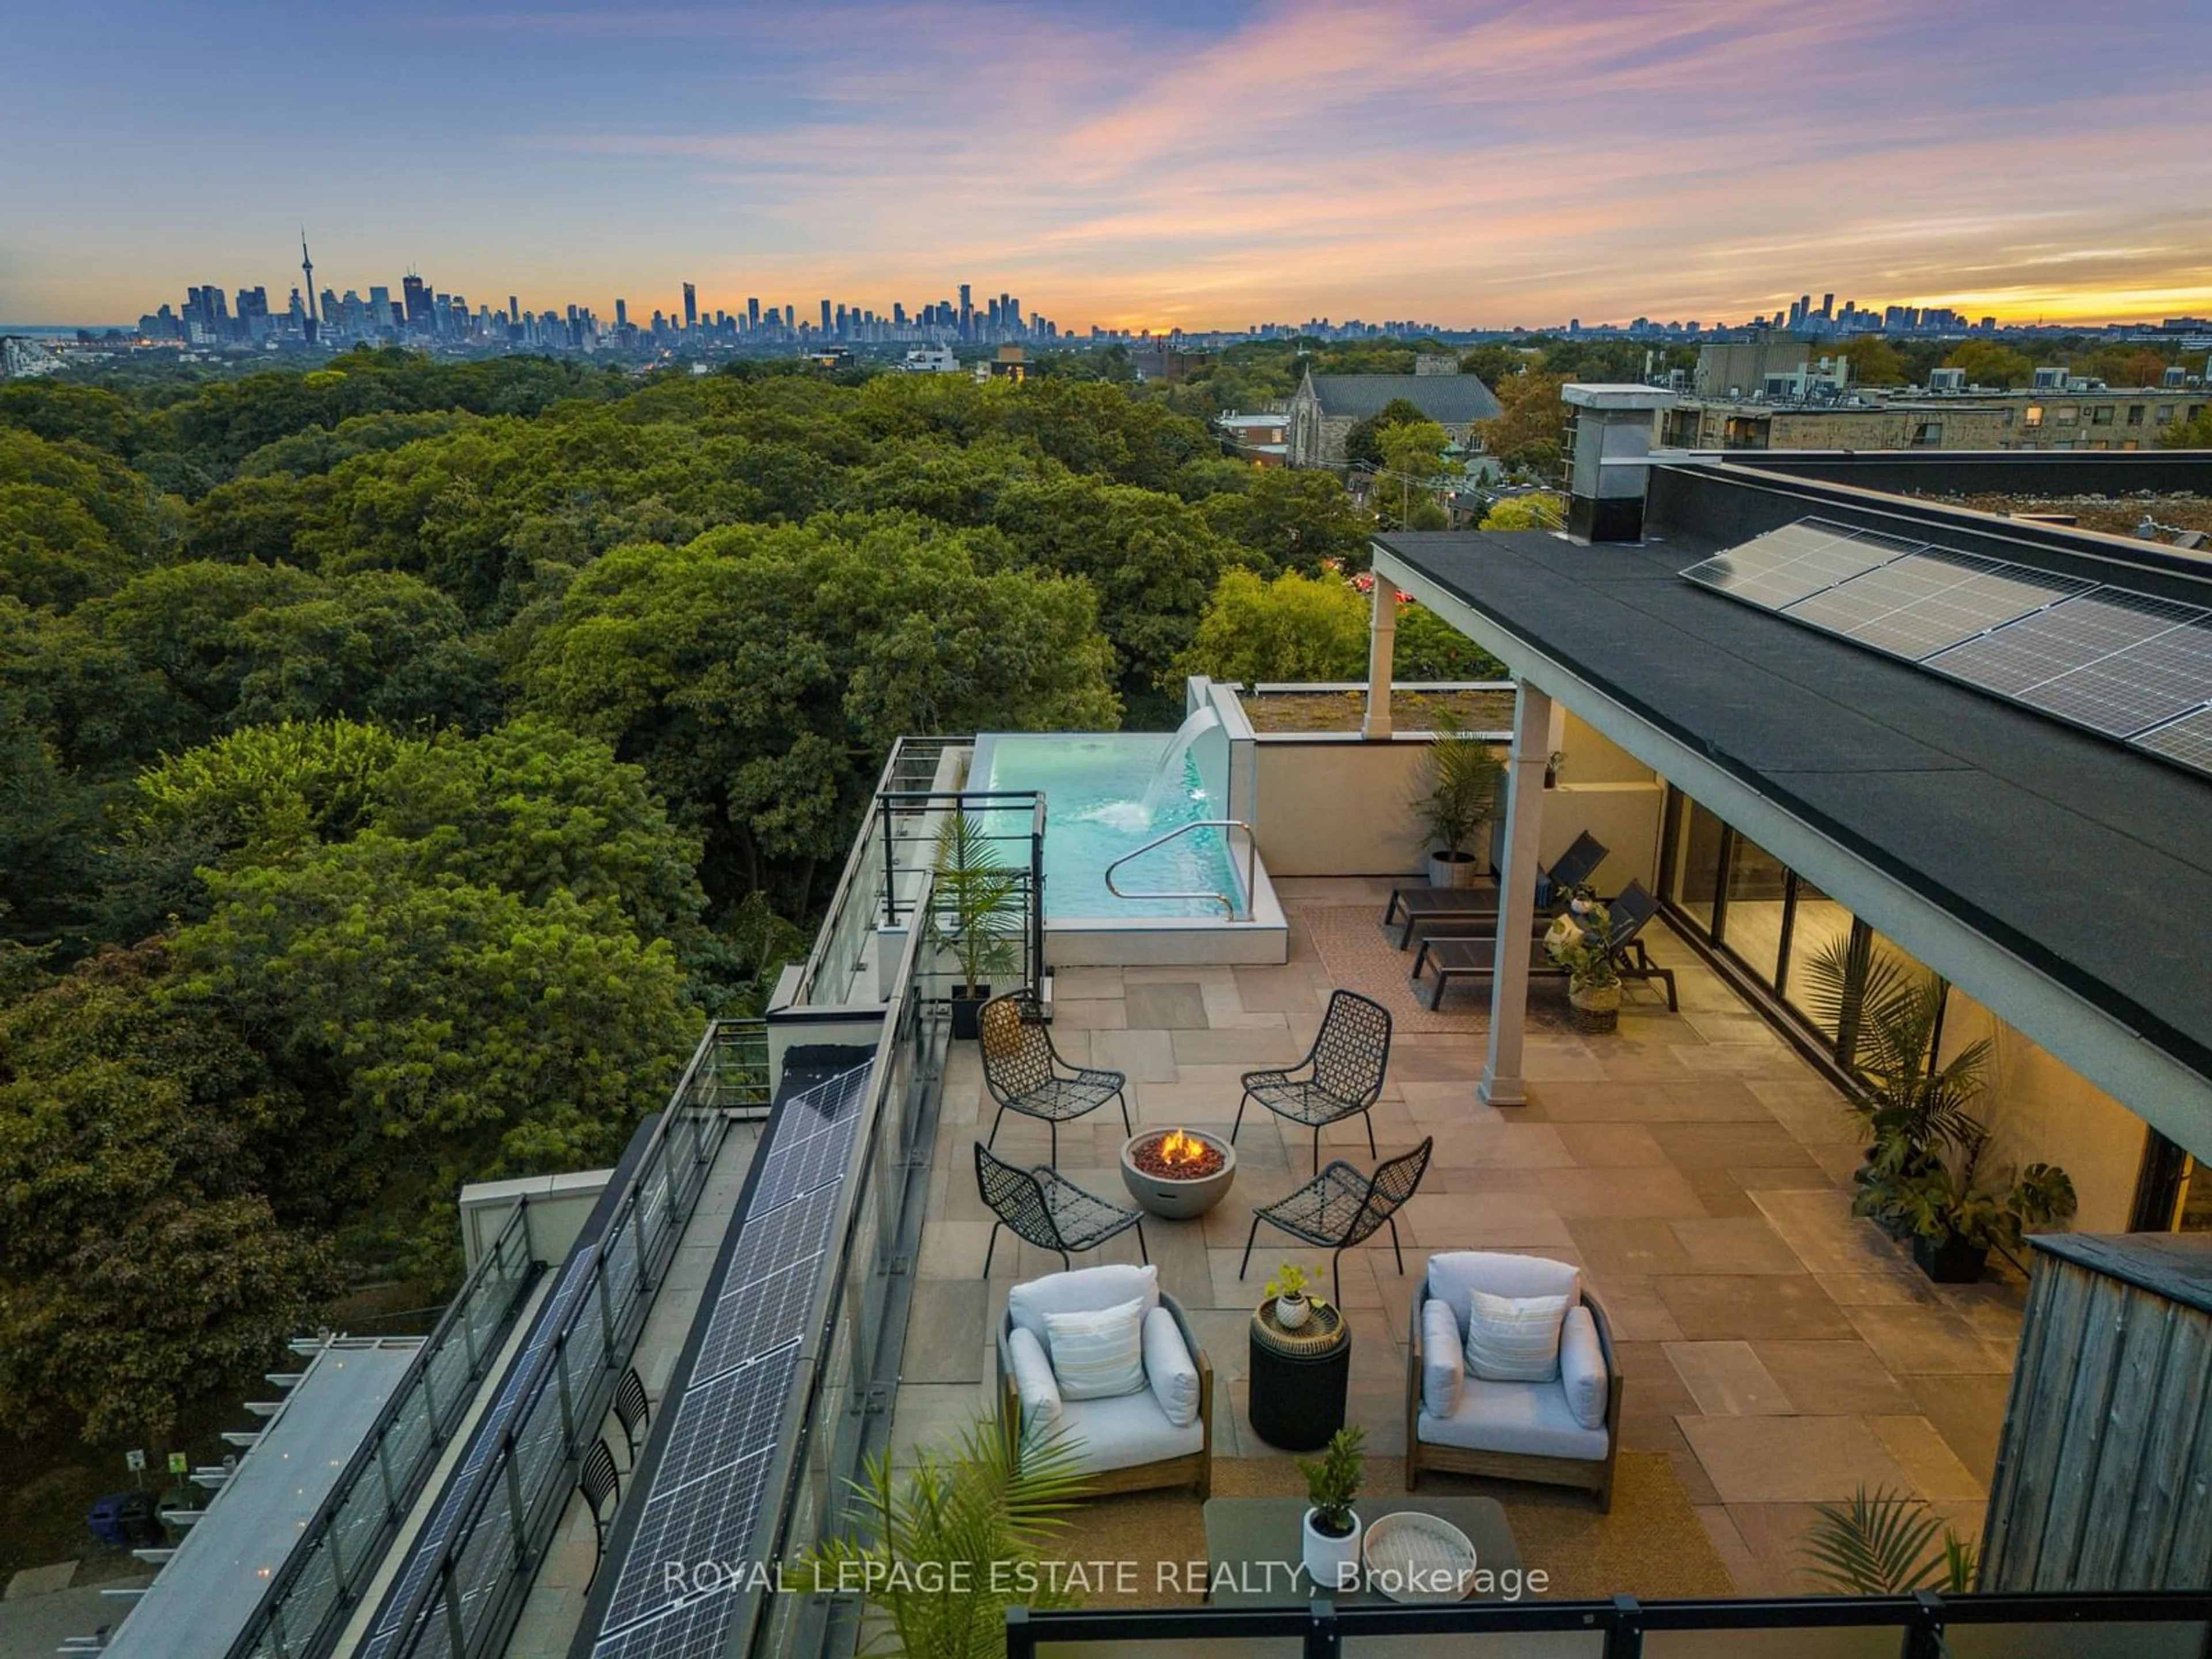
1094, 785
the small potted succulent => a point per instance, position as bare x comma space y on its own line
1293, 1307
1331, 1552
1581, 941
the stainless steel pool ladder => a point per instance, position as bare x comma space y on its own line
1227, 904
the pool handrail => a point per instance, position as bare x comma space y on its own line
1251, 845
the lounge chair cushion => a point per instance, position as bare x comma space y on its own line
1097, 1355
1168, 1369
1119, 1434
1457, 1274
1086, 1289
1582, 1368
1515, 1339
1533, 1419
1033, 1383
1443, 1367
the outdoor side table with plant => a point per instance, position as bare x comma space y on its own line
1581, 941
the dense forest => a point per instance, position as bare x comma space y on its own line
402, 759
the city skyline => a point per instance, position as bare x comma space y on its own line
1501, 165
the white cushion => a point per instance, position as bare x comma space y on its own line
1442, 1365
1097, 1356
1039, 1393
1118, 1434
1457, 1274
1086, 1289
1169, 1369
1512, 1339
1529, 1418
1582, 1368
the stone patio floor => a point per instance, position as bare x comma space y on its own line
1778, 1351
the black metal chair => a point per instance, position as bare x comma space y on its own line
1026, 1073
1048, 1210
1340, 1075
1343, 1206
631, 1410
1477, 958
601, 1486
1413, 908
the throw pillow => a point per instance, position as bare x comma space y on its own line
1442, 1370
1097, 1356
1515, 1339
1169, 1369
1582, 1369
1033, 1383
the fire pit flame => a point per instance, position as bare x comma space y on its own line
1181, 1148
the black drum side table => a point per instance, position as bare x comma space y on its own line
1299, 1378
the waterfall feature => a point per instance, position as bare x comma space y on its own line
1168, 774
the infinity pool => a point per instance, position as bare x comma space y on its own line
1094, 785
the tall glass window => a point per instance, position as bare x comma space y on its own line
1754, 925
1819, 927
1697, 863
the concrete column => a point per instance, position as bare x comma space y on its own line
1382, 643
1502, 1083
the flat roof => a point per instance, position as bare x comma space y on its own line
2089, 860
223, 1566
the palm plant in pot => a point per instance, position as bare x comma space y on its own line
975, 912
1581, 941
1331, 1545
1460, 779
1920, 1179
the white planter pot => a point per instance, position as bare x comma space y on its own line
1332, 1563
1291, 1313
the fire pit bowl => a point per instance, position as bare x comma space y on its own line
1177, 1173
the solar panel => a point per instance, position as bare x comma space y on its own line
2188, 740
2071, 634
707, 1488
1795, 562
2168, 674
1924, 602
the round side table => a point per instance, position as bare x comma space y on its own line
1299, 1378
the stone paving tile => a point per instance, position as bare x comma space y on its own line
1713, 1307
1936, 1471
1843, 1378
1915, 1340
1741, 1244
1726, 1379
1629, 1247
1172, 1007
1791, 1460
1967, 1410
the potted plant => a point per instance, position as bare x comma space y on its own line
1581, 941
1953, 1220
1885, 1543
1288, 1288
1919, 1177
1459, 783
1332, 1527
975, 911
943, 1548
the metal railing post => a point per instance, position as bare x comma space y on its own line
1624, 1636
1323, 1640
1924, 1637
1021, 1640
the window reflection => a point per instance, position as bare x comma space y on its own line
1752, 926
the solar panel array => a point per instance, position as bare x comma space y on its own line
707, 1492
2128, 664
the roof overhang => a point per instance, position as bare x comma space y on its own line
2155, 1085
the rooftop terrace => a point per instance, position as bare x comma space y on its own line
1777, 1353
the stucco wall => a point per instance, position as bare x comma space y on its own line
2039, 1110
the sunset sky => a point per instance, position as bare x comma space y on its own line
1134, 165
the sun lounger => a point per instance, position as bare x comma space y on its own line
1477, 958
1412, 909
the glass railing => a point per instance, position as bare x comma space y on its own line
477, 1551
2145, 1625
321, 1582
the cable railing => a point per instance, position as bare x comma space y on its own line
322, 1580
475, 1558
1234, 910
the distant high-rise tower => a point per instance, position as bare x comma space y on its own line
622, 313
752, 313
307, 271
967, 310
514, 309
826, 316
690, 308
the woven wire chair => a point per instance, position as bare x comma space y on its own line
632, 1410
601, 1485
1026, 1074
1048, 1210
1343, 1206
1340, 1075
